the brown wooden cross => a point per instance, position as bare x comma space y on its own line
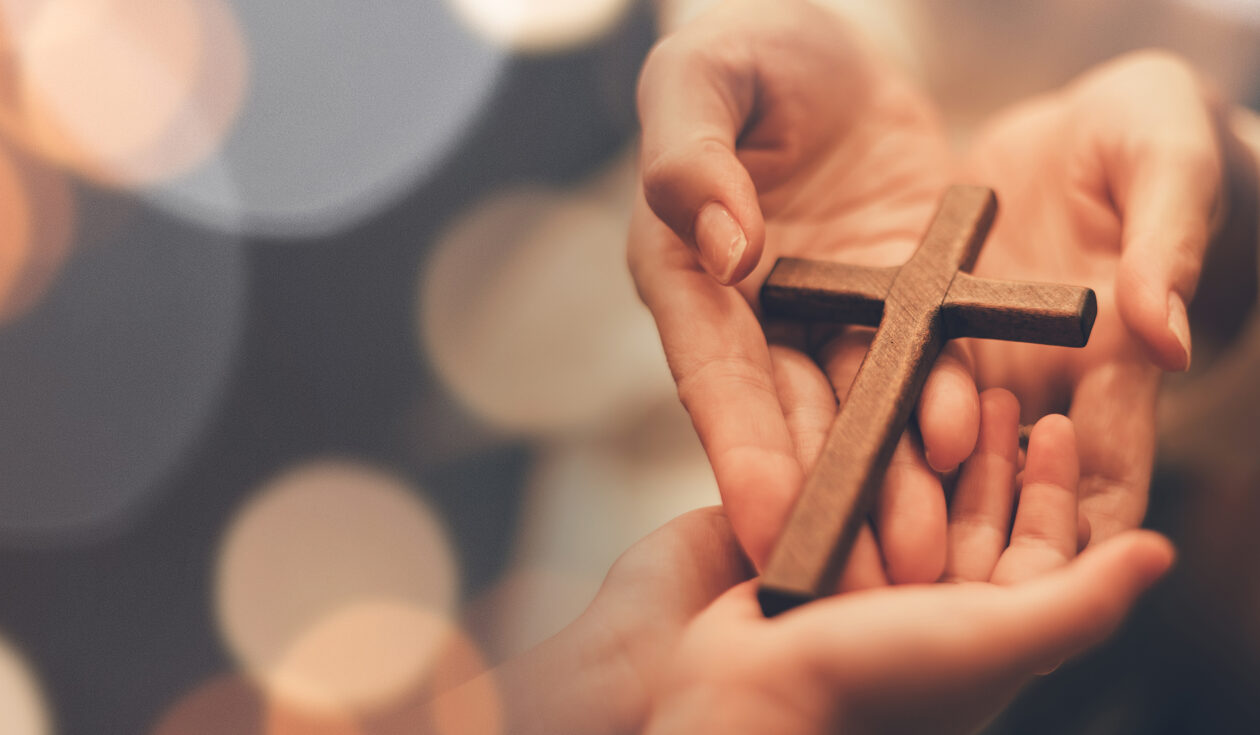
917, 306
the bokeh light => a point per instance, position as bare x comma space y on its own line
335, 585
23, 708
232, 705
112, 375
461, 697
347, 108
540, 25
529, 315
476, 708
363, 656
124, 92
37, 214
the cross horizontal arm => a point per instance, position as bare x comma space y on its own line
1043, 313
823, 291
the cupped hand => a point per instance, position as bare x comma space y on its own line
771, 133
924, 658
1112, 183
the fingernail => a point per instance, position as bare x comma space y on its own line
1179, 324
721, 241
939, 469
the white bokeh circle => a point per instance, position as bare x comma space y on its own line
320, 570
529, 315
348, 105
24, 709
540, 25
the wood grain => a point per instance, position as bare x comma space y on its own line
917, 306
810, 290
1044, 313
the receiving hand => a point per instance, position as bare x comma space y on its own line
655, 650
924, 658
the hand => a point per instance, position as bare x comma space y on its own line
769, 134
954, 651
939, 658
1112, 183
596, 676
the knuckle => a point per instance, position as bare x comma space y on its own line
734, 373
668, 175
661, 174
662, 182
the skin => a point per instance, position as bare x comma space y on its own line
758, 113
918, 658
653, 653
817, 149
1114, 183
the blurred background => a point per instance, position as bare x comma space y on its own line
318, 353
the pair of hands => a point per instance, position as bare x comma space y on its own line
769, 134
778, 133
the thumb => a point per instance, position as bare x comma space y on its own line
1168, 212
1067, 611
692, 107
1163, 167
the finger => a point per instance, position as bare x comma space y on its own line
910, 517
1056, 616
842, 355
1044, 533
865, 568
694, 99
807, 399
721, 364
1163, 166
980, 512
1113, 409
949, 409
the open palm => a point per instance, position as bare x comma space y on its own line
906, 658
1112, 184
769, 135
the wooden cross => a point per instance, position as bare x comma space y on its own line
917, 306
